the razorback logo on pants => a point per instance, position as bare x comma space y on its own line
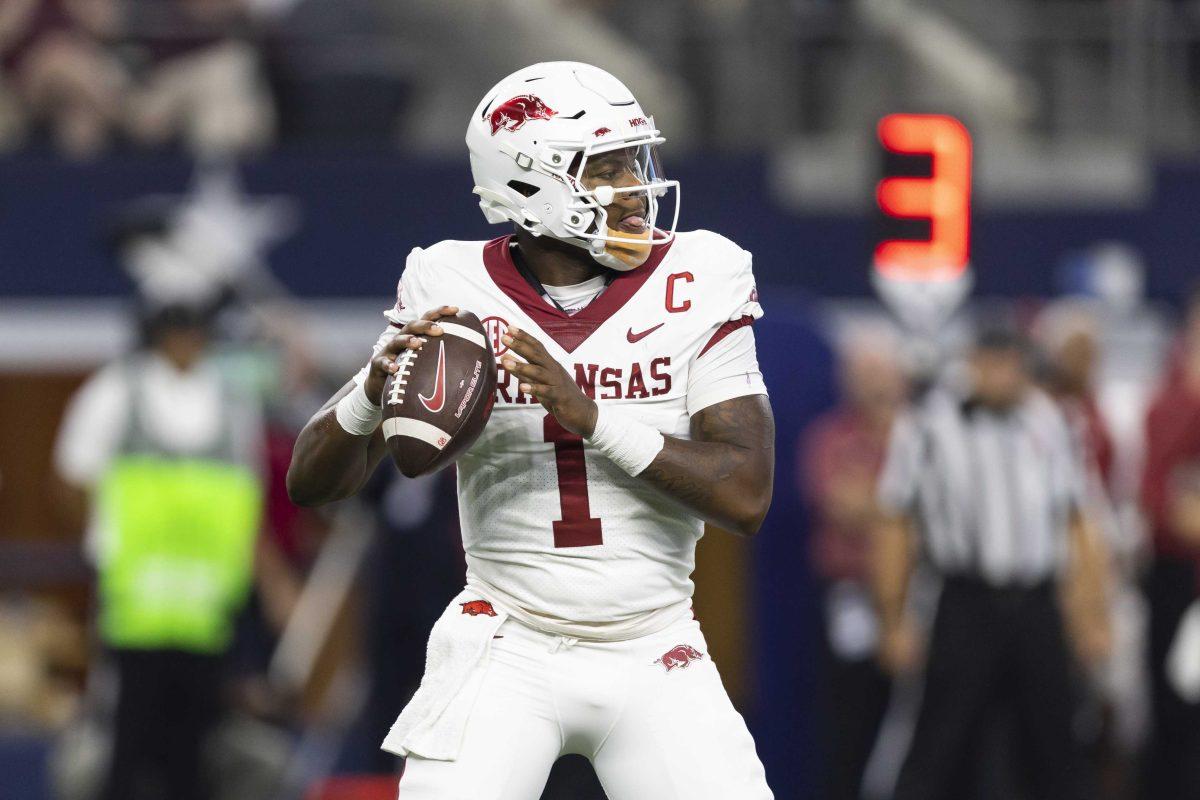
477, 607
679, 656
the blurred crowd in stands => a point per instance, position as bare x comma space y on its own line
234, 77
91, 75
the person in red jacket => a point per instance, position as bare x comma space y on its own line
840, 457
1171, 501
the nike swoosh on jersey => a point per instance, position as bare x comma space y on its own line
637, 337
434, 404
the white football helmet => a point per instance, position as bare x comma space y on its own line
530, 140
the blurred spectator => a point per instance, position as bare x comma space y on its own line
42, 652
1069, 338
60, 73
162, 453
840, 459
1171, 498
990, 477
198, 79
150, 71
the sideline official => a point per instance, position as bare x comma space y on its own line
983, 484
161, 452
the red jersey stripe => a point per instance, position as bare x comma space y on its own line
726, 329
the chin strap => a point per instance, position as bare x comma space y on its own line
629, 254
621, 255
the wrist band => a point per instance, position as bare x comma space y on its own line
357, 414
629, 444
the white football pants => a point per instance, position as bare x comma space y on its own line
650, 731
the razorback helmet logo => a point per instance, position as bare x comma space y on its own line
477, 607
512, 114
679, 656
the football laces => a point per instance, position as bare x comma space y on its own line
400, 378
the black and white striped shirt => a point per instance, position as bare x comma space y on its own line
991, 493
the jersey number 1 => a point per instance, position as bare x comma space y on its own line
577, 528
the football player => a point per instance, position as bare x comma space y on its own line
629, 411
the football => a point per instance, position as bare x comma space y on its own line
437, 403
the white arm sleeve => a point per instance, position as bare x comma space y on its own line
897, 487
727, 370
92, 428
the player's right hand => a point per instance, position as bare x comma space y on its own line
411, 337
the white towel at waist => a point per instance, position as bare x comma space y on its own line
434, 721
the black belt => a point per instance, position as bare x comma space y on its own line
974, 584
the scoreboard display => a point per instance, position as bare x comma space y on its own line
923, 198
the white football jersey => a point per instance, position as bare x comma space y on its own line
552, 529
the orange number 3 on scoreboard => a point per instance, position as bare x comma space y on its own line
944, 198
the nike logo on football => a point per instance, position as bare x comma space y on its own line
434, 404
637, 337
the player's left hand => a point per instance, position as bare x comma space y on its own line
549, 383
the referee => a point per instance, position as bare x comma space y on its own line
983, 484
